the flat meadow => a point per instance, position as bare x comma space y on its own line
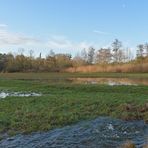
63, 103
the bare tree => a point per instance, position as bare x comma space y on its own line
84, 55
116, 45
129, 55
21, 51
140, 50
90, 55
103, 56
31, 52
51, 53
121, 56
78, 61
146, 48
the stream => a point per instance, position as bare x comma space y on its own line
102, 132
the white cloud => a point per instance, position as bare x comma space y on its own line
62, 42
59, 42
10, 38
101, 32
3, 26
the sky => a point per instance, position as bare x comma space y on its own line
68, 26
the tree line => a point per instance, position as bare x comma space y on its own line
115, 54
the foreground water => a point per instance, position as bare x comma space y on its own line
110, 81
106, 81
103, 132
4, 94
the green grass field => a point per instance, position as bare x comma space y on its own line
64, 103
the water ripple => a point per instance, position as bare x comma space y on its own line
103, 132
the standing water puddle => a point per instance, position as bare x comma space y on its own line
17, 94
103, 132
110, 81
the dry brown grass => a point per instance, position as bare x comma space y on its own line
145, 146
128, 67
128, 144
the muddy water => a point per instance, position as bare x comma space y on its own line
102, 132
110, 81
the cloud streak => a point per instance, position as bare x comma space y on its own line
101, 32
58, 43
62, 42
10, 38
3, 26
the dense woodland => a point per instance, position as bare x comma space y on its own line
113, 59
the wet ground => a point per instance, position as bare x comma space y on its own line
4, 94
110, 81
103, 132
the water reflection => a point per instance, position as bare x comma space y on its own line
110, 81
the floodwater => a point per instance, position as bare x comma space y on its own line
17, 94
110, 81
103, 132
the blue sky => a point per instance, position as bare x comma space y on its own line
71, 25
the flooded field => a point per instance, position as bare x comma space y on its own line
63, 107
105, 81
110, 81
4, 94
102, 132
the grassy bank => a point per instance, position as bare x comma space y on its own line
62, 75
63, 104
